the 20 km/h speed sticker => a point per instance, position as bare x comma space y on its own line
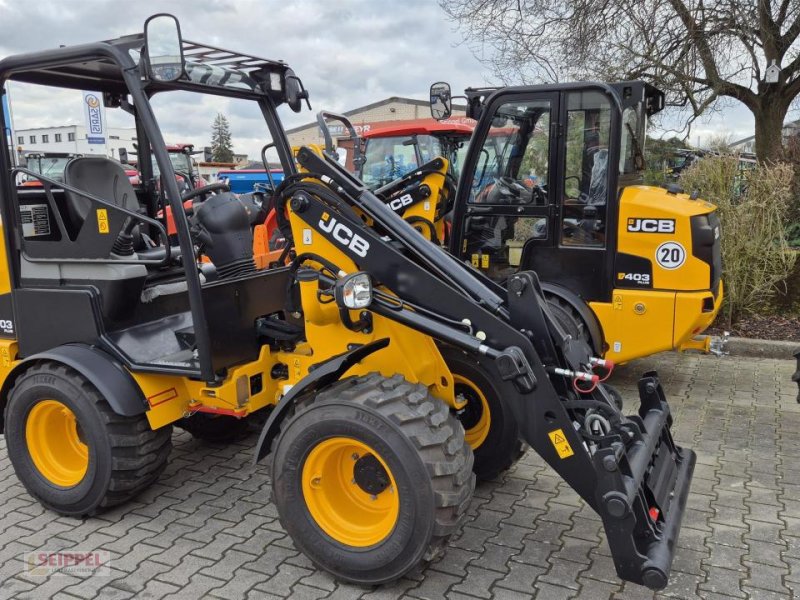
670, 255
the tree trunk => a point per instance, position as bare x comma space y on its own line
769, 127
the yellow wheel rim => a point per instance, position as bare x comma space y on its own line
475, 416
350, 492
54, 444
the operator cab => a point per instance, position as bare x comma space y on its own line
538, 187
135, 264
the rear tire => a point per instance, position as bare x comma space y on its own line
371, 478
71, 451
490, 426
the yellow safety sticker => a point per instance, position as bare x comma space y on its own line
102, 220
617, 301
560, 443
476, 260
485, 261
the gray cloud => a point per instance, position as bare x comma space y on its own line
348, 53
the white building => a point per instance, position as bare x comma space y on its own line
73, 139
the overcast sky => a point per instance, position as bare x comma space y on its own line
347, 52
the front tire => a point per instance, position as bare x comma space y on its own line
371, 478
490, 426
70, 450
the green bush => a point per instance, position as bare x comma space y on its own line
753, 207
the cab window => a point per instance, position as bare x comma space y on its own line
387, 159
513, 163
511, 175
586, 172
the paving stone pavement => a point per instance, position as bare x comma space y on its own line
208, 530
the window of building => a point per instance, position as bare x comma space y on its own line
21, 139
70, 137
33, 139
45, 139
58, 137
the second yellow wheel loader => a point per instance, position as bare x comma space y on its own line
107, 341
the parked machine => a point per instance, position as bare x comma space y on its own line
392, 151
50, 164
355, 345
552, 183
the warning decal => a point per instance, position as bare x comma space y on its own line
102, 220
35, 220
560, 443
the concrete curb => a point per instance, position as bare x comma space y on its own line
738, 346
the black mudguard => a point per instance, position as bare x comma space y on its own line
322, 375
113, 382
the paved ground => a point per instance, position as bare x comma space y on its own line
207, 529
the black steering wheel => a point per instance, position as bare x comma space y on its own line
213, 188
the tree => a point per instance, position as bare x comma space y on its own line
698, 52
221, 145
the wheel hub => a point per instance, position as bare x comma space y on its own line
475, 416
350, 492
56, 444
370, 475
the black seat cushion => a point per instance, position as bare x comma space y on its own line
101, 177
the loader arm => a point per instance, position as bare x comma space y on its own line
629, 471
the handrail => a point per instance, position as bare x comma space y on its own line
48, 185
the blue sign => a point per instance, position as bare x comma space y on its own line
95, 119
6, 113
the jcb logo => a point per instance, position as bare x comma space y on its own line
401, 202
651, 225
344, 235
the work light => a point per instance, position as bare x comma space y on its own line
354, 291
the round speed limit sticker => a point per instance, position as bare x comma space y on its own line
670, 255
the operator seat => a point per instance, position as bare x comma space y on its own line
101, 177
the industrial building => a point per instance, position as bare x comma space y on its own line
73, 139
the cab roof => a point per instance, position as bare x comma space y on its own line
420, 127
97, 66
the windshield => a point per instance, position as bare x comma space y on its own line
389, 158
181, 162
52, 167
634, 126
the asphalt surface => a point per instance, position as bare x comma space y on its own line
207, 529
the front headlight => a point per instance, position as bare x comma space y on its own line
354, 291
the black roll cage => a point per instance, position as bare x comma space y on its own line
110, 67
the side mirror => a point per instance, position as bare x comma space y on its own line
295, 92
163, 48
441, 101
123, 156
208, 154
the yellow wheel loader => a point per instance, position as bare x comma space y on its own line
110, 336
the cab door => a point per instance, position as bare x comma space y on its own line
508, 208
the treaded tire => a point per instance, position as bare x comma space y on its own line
569, 319
125, 456
215, 429
502, 447
421, 443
